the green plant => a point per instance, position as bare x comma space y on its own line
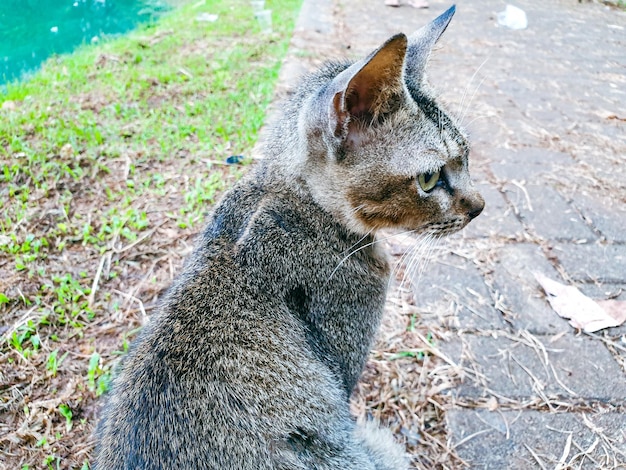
53, 363
66, 412
98, 379
418, 354
23, 335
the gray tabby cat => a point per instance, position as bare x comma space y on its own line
250, 361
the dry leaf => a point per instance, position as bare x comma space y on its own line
581, 311
615, 308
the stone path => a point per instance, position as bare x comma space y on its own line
546, 109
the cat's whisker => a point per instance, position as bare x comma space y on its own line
424, 260
420, 240
359, 241
413, 255
469, 103
417, 258
357, 209
462, 111
425, 257
477, 118
378, 240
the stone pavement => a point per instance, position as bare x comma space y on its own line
546, 111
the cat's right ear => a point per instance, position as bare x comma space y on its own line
365, 90
422, 42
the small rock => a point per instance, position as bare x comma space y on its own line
9, 105
67, 151
207, 17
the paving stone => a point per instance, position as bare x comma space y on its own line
514, 281
546, 213
531, 101
527, 164
606, 215
526, 366
497, 219
604, 291
502, 438
453, 293
605, 263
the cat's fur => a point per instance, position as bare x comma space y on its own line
250, 361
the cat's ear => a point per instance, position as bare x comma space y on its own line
421, 44
367, 88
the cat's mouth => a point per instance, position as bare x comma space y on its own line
445, 228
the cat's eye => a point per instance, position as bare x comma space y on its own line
428, 181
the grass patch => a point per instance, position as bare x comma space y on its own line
110, 159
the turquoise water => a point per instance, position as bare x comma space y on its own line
33, 30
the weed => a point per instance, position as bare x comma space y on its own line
25, 339
419, 355
53, 362
50, 459
97, 378
66, 412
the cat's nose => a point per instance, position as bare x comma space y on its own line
476, 211
473, 205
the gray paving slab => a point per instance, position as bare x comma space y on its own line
524, 366
501, 440
547, 214
607, 215
544, 107
517, 288
593, 262
603, 290
528, 163
452, 292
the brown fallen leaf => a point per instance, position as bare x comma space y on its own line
615, 309
581, 311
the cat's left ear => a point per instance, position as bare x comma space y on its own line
421, 44
368, 88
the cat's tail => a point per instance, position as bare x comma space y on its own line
385, 452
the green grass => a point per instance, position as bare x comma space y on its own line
110, 159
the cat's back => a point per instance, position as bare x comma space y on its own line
224, 353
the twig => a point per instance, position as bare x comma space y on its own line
521, 186
566, 450
535, 456
135, 299
23, 320
139, 240
471, 436
96, 280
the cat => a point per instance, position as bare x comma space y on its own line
252, 356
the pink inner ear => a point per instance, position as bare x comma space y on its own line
360, 98
341, 115
375, 83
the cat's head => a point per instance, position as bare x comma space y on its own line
377, 151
